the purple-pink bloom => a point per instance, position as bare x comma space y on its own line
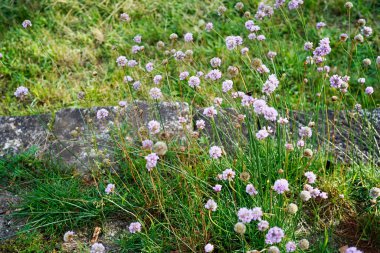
281, 186
274, 235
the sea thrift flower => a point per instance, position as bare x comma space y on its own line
215, 152
262, 134
240, 228
359, 38
136, 85
194, 81
320, 25
257, 213
97, 248
211, 205
127, 79
305, 195
214, 74
209, 26
367, 31
137, 38
279, 3
179, 55
294, 4
271, 55
353, 250
125, 17
274, 235
21, 92
336, 81
228, 174
110, 188
323, 195
250, 25
270, 113
281, 186
68, 236
183, 75
245, 215
283, 121
217, 188
291, 247
233, 41
132, 63
200, 124
121, 61
209, 248
26, 23
251, 190
188, 37
227, 85
221, 10
261, 37
210, 111
218, 101
151, 161
300, 143
263, 225
311, 177
135, 227
154, 126
361, 80
308, 46
157, 79
155, 93
149, 66
343, 37
259, 106
147, 144
252, 36
305, 132
369, 90
102, 114
323, 48
215, 62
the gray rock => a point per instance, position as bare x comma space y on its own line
8, 224
20, 133
81, 139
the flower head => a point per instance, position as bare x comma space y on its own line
281, 186
135, 227
274, 235
211, 205
215, 152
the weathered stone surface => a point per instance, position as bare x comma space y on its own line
20, 133
8, 225
81, 139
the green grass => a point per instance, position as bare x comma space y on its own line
72, 47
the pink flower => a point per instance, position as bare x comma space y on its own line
228, 174
200, 124
151, 161
251, 190
311, 177
369, 90
102, 114
154, 126
217, 188
210, 111
281, 186
211, 205
26, 23
110, 188
135, 227
215, 152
